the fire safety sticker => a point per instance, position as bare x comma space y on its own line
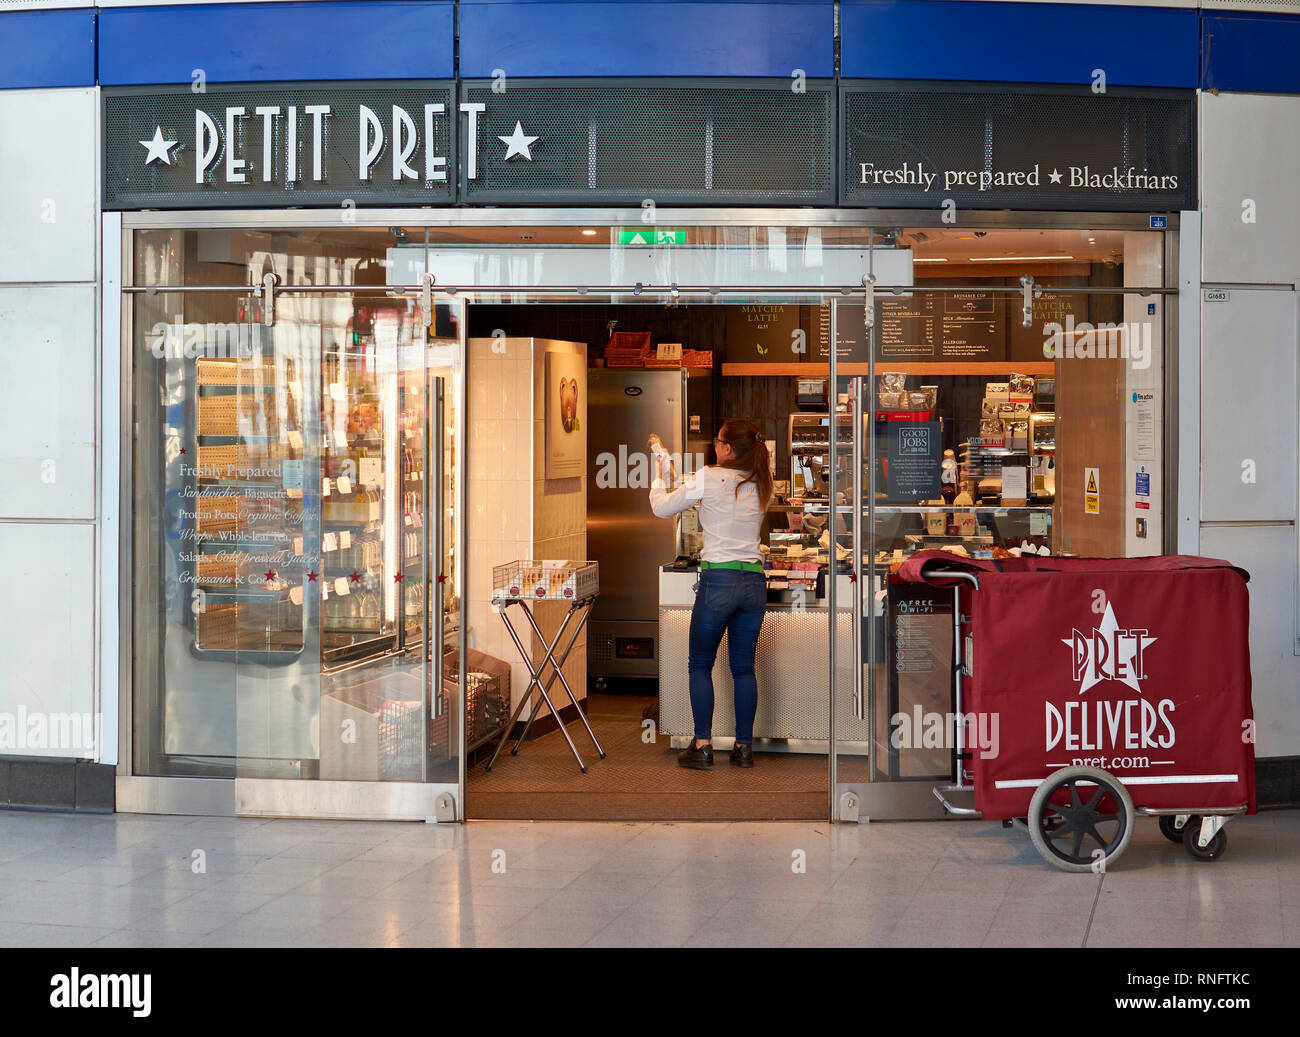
1142, 489
1091, 495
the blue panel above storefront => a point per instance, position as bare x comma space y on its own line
1251, 52
47, 49
647, 38
235, 43
1018, 43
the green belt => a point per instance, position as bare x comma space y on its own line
749, 567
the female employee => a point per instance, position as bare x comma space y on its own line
732, 594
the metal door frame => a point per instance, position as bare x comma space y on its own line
238, 796
415, 801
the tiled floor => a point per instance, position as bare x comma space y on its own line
127, 880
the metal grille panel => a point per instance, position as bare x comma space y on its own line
620, 144
133, 114
1010, 127
600, 648
790, 665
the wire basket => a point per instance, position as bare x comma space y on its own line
486, 710
400, 730
527, 580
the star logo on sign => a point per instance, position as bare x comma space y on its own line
270, 575
518, 143
1054, 176
355, 577
398, 577
311, 576
160, 149
1108, 653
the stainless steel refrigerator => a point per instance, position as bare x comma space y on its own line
623, 407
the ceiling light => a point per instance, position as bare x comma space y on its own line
1013, 259
918, 259
589, 232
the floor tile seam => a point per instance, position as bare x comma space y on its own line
701, 924
1092, 913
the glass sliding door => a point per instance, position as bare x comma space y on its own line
297, 535
990, 419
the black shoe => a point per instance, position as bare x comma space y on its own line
697, 759
742, 755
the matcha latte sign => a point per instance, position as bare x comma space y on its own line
566, 407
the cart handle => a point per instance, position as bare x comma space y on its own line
955, 574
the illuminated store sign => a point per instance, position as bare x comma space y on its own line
620, 142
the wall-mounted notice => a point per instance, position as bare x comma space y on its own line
1144, 426
1091, 492
915, 460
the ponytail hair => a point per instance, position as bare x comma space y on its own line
749, 455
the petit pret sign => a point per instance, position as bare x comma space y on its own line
439, 142
282, 145
620, 142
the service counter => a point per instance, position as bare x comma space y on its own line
791, 664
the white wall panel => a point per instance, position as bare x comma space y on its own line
1248, 407
1268, 553
1250, 150
47, 401
47, 632
48, 185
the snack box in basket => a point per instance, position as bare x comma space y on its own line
554, 581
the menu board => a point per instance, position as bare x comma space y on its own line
905, 328
765, 333
921, 326
1027, 343
972, 326
850, 335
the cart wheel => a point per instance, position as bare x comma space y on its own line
1077, 811
1191, 833
1170, 830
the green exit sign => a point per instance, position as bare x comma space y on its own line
650, 236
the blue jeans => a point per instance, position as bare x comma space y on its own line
729, 601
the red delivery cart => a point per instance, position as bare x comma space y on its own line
1117, 686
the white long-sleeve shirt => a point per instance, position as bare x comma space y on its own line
731, 521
